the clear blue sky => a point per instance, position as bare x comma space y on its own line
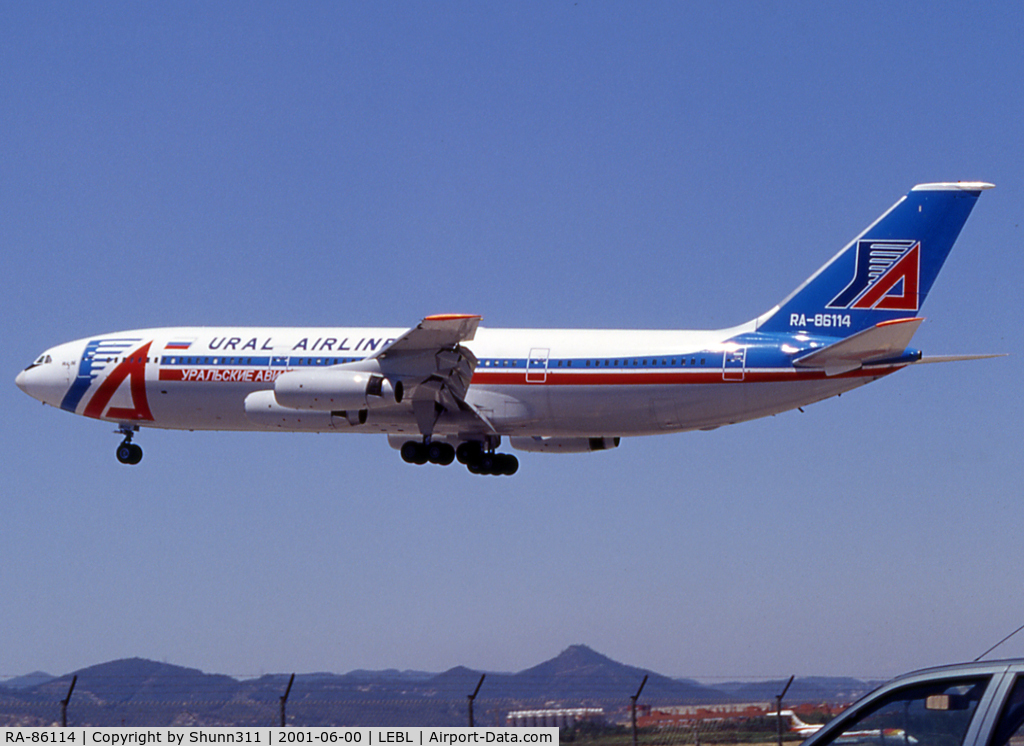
662, 165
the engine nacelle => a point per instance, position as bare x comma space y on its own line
563, 445
261, 408
331, 389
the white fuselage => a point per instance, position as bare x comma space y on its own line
527, 382
449, 389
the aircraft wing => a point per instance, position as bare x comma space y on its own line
442, 331
433, 366
883, 341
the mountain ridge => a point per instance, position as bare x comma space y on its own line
578, 676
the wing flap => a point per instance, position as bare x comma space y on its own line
883, 341
433, 366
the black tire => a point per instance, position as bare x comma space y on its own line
509, 464
136, 454
447, 454
436, 452
487, 463
468, 452
124, 453
410, 451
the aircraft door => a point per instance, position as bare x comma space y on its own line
278, 365
734, 364
537, 365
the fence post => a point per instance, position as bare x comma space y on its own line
778, 706
472, 696
284, 697
632, 706
64, 703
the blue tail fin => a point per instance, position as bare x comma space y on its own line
886, 272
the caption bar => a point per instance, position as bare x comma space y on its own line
547, 736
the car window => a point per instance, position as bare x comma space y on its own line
933, 714
1010, 729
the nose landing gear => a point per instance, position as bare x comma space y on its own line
128, 452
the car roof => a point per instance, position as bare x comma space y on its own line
971, 666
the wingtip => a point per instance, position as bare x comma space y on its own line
452, 316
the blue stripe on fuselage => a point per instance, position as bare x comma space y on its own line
93, 361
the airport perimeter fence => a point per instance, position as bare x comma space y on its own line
599, 710
594, 722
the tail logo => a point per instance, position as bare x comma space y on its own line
885, 277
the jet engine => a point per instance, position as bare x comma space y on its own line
331, 389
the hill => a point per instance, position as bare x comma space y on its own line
817, 689
136, 691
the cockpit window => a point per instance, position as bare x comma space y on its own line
41, 360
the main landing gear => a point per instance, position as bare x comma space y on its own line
414, 452
477, 459
128, 452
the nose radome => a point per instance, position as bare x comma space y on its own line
45, 382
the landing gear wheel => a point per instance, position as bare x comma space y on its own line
414, 453
495, 464
486, 463
469, 452
129, 453
507, 464
440, 453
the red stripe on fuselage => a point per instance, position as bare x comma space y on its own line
637, 378
555, 378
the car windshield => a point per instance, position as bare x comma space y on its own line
930, 714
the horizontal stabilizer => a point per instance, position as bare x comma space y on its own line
957, 358
884, 341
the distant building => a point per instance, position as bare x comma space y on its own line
563, 717
735, 709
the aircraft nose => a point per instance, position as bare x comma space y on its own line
43, 381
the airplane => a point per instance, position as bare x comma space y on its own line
796, 725
450, 389
871, 736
